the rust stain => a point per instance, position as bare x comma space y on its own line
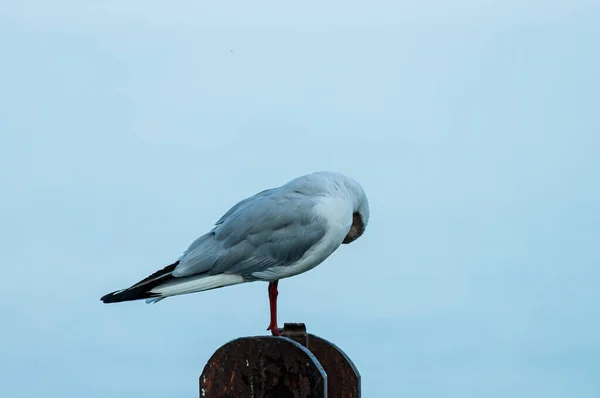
296, 365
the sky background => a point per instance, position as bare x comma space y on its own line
127, 128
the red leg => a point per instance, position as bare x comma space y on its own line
275, 331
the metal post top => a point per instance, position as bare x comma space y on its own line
295, 364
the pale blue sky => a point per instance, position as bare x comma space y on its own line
129, 128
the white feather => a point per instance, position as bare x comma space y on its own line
193, 285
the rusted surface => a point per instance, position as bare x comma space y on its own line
343, 378
296, 364
296, 332
263, 367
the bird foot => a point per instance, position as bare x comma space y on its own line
275, 331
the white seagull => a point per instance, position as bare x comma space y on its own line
275, 234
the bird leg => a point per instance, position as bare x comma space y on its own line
275, 331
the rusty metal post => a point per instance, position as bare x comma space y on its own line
263, 366
343, 378
295, 364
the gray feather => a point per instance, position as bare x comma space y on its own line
271, 228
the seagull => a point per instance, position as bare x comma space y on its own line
275, 234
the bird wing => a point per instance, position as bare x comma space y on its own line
272, 228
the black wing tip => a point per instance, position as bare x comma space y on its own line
126, 295
109, 298
140, 290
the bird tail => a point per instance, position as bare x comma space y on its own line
193, 284
142, 289
163, 284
